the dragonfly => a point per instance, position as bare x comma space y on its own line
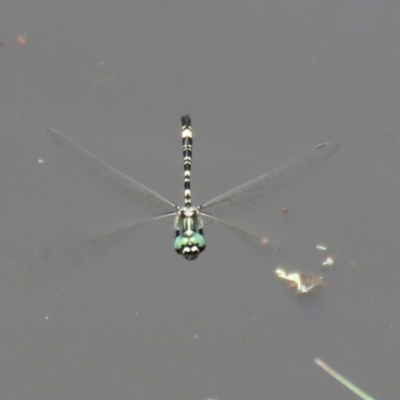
188, 219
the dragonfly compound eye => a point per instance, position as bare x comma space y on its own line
197, 241
190, 246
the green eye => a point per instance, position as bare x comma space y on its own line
180, 242
198, 240
192, 244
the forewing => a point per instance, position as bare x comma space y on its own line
75, 249
261, 242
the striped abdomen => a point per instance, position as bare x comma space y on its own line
187, 141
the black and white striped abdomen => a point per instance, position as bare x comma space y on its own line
187, 142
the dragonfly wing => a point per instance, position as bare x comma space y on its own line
262, 244
250, 195
133, 190
75, 249
102, 237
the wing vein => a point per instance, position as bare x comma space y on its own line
251, 194
131, 188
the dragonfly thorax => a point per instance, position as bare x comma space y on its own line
189, 238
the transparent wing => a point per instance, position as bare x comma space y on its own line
250, 195
133, 190
263, 244
75, 249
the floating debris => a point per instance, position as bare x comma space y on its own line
104, 80
21, 39
328, 262
343, 380
302, 283
321, 247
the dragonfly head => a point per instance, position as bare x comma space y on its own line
190, 246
